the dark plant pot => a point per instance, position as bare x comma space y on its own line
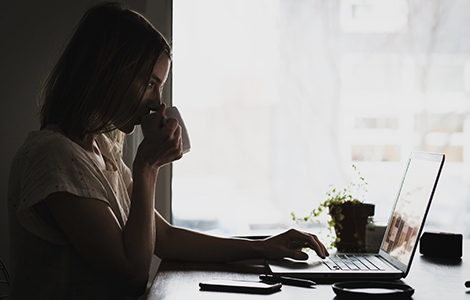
352, 228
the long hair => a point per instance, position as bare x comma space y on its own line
109, 48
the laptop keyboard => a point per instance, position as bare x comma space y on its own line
354, 263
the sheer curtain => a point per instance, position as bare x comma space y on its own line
281, 97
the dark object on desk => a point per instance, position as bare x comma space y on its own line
372, 290
440, 244
268, 278
467, 284
237, 286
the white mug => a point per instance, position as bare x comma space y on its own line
173, 112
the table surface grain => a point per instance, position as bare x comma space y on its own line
432, 278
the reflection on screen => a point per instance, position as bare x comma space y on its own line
410, 209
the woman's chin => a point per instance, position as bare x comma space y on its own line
128, 129
131, 131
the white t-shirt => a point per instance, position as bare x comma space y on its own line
44, 264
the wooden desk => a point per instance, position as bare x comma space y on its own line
431, 278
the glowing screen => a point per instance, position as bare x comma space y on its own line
410, 209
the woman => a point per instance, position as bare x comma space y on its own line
83, 226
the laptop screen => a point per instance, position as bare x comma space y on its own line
411, 206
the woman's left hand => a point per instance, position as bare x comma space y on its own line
290, 244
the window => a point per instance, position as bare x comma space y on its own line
281, 97
370, 16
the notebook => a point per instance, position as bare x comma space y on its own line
401, 236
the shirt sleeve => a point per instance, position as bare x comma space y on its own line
56, 166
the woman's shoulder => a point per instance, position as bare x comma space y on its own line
47, 141
45, 145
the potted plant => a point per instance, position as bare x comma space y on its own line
348, 216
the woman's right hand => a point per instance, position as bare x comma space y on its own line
161, 144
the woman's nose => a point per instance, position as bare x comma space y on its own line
155, 102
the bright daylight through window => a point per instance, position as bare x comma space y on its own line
282, 97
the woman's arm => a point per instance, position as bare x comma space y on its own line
175, 243
125, 254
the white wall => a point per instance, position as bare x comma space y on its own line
32, 34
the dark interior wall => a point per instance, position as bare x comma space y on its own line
32, 34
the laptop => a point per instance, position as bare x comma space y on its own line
401, 236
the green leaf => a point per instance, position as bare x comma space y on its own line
340, 217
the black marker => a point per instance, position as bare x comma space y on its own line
286, 280
467, 284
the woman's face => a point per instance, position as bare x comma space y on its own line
152, 96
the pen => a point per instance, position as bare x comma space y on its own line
286, 280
